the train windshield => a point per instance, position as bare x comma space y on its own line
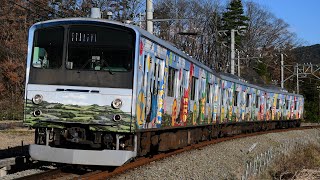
48, 48
99, 49
83, 55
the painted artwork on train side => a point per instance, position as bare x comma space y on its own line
175, 92
166, 101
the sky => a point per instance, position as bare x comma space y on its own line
303, 16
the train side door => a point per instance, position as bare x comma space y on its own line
154, 70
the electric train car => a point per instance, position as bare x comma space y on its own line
100, 92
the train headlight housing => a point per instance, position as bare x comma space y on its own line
116, 104
37, 113
117, 117
37, 99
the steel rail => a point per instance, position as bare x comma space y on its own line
146, 160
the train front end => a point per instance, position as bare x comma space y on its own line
79, 92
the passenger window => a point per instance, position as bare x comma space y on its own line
257, 101
278, 104
171, 81
287, 104
235, 98
209, 93
248, 100
193, 88
183, 82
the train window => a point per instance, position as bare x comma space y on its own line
208, 92
287, 104
257, 101
221, 93
235, 98
278, 104
222, 96
100, 48
156, 73
193, 88
48, 48
248, 100
184, 83
171, 82
144, 70
295, 105
202, 89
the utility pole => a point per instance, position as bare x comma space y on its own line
232, 51
238, 63
149, 16
282, 73
297, 78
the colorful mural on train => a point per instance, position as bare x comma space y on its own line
175, 92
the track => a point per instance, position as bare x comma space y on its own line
145, 160
65, 173
62, 173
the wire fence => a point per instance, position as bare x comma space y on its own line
258, 165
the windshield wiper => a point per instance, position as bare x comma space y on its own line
104, 62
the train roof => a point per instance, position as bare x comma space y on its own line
267, 88
168, 45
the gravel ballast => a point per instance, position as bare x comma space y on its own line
226, 160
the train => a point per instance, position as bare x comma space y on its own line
100, 92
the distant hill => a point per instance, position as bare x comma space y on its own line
307, 54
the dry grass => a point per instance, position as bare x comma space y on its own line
296, 164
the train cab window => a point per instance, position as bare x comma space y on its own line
278, 104
100, 48
247, 100
235, 98
47, 48
171, 82
257, 101
193, 88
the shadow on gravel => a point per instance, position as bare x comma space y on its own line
14, 151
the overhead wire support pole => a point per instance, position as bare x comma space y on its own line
282, 73
232, 51
238, 63
149, 16
297, 79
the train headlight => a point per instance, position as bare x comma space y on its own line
117, 103
117, 117
37, 99
37, 113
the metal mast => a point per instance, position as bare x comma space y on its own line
149, 16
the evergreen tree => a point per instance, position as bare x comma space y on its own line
234, 18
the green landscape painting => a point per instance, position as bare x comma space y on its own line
100, 118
